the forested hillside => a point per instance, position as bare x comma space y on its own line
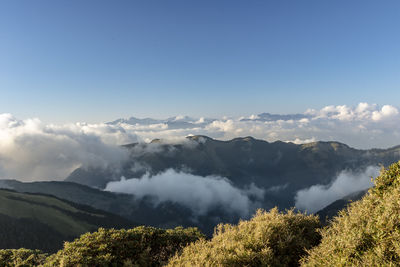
44, 222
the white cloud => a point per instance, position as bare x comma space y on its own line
198, 193
30, 150
199, 121
363, 112
298, 141
253, 117
386, 112
317, 197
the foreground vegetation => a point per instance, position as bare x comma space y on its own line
366, 233
268, 239
21, 257
140, 246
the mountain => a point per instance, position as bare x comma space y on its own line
133, 121
38, 221
327, 213
277, 170
277, 117
280, 168
188, 122
178, 122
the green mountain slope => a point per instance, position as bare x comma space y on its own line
44, 222
142, 211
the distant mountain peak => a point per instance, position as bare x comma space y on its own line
198, 137
326, 145
276, 117
156, 141
134, 120
244, 139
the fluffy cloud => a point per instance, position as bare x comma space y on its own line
363, 112
200, 194
30, 150
386, 112
317, 197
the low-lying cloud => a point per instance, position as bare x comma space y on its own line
31, 150
200, 194
317, 197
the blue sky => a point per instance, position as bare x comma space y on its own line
98, 60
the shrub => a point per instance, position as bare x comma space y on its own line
21, 257
268, 239
140, 246
367, 233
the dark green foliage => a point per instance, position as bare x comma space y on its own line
140, 246
29, 233
21, 257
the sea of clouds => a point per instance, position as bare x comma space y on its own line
32, 150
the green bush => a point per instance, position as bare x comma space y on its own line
140, 246
21, 257
268, 239
367, 233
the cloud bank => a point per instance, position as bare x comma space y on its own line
32, 150
200, 194
363, 126
317, 197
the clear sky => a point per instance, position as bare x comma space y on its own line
98, 60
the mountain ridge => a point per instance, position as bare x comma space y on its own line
222, 151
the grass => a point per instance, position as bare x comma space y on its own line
367, 232
268, 239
